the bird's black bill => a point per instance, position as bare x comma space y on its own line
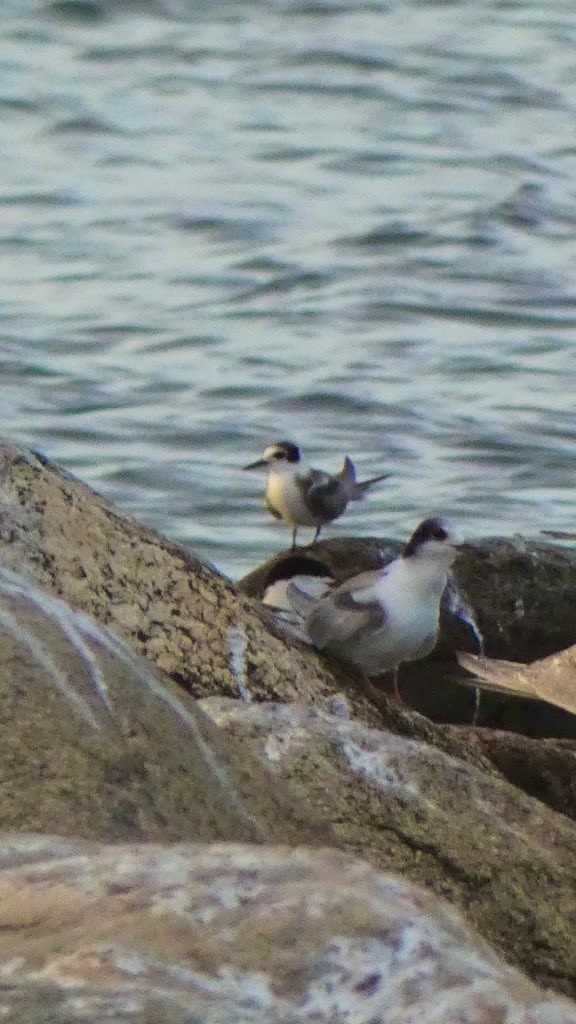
256, 465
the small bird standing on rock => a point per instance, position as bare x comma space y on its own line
302, 496
379, 619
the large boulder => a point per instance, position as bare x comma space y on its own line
95, 748
240, 934
95, 743
174, 609
504, 858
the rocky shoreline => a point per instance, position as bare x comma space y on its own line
104, 742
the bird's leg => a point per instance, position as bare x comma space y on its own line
376, 696
476, 714
395, 690
294, 532
317, 534
372, 692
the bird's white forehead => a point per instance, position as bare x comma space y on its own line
273, 450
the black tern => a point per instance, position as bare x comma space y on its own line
302, 496
379, 619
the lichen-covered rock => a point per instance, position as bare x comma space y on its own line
95, 744
243, 935
504, 858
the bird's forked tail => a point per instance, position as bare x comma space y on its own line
357, 488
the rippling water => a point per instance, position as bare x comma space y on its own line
348, 223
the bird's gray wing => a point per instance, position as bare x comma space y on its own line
325, 495
302, 592
346, 612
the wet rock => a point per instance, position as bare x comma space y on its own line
95, 744
523, 593
240, 934
504, 858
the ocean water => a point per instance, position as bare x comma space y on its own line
351, 224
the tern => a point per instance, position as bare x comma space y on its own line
379, 619
302, 496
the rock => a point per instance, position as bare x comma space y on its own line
95, 744
169, 606
240, 934
121, 760
545, 769
505, 859
185, 618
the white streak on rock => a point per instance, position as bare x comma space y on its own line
43, 657
144, 675
463, 611
378, 767
237, 644
67, 620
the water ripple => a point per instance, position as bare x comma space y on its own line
351, 224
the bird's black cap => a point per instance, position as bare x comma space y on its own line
290, 451
430, 529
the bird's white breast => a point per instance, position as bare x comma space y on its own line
284, 493
411, 607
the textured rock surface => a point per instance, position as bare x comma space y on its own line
544, 768
140, 770
93, 744
505, 859
178, 612
240, 934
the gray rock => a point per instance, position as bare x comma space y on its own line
240, 934
94, 743
141, 771
506, 860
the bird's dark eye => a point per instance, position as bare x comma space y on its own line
279, 455
439, 533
